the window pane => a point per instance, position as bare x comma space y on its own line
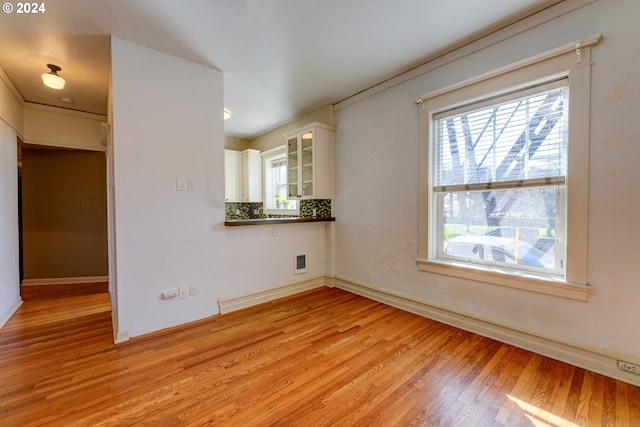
516, 139
275, 182
279, 177
516, 228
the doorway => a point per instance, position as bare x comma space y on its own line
62, 220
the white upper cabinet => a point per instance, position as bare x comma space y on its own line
243, 176
310, 162
251, 176
232, 176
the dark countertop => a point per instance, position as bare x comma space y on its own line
265, 221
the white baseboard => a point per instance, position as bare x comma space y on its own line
118, 336
575, 353
121, 337
230, 304
4, 317
65, 280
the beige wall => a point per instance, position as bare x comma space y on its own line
237, 144
64, 213
275, 137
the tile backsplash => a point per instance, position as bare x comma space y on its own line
320, 207
240, 210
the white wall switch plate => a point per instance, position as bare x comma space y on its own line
181, 184
183, 292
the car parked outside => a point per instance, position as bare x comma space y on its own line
494, 250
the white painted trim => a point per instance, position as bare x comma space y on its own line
527, 62
5, 78
307, 127
100, 149
121, 337
538, 69
65, 280
576, 353
511, 279
64, 111
7, 315
118, 337
239, 302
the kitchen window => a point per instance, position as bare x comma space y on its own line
275, 183
504, 175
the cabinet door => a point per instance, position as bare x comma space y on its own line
306, 163
232, 176
251, 176
292, 167
310, 162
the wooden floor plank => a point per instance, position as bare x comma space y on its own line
321, 358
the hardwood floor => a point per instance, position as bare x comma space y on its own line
324, 357
30, 292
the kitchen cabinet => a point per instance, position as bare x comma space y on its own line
232, 176
243, 176
251, 176
310, 162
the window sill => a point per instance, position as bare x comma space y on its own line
282, 212
539, 284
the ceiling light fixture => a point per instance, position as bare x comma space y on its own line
226, 114
52, 79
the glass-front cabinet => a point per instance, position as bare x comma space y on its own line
310, 162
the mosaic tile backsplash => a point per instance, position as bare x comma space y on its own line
321, 208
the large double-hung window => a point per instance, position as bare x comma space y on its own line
504, 175
499, 175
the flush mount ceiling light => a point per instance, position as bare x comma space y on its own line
52, 79
226, 114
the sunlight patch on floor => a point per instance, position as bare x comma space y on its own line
540, 417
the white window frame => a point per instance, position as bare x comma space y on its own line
267, 158
573, 61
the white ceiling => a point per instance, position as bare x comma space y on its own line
280, 58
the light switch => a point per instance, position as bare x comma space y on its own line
192, 184
181, 184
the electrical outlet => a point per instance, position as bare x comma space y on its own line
628, 367
169, 294
181, 184
183, 292
194, 290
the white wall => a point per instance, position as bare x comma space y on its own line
167, 238
377, 187
44, 125
9, 272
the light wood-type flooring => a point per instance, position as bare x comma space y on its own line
321, 358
